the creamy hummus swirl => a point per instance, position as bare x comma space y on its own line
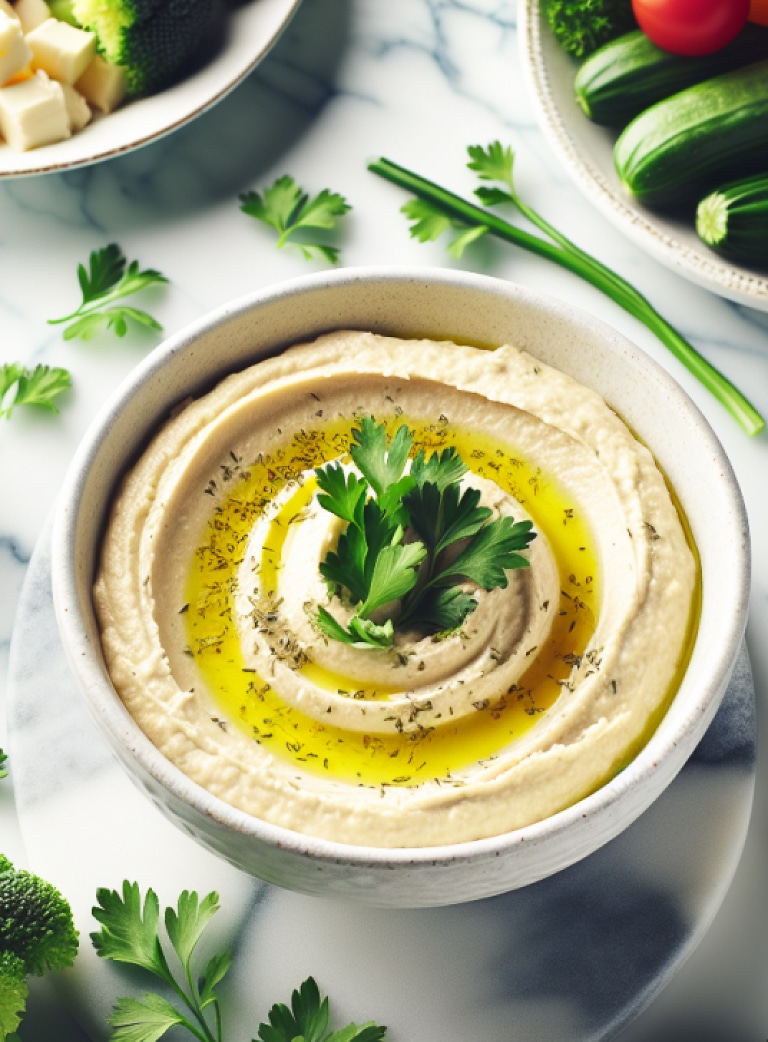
210, 579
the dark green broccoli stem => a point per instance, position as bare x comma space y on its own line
565, 253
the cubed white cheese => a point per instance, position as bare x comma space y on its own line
32, 13
78, 110
102, 85
61, 50
15, 53
33, 113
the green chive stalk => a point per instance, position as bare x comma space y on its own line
560, 250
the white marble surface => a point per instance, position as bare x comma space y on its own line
417, 81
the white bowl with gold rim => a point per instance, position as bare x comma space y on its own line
441, 305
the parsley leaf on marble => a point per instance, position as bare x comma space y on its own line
39, 386
131, 933
307, 1019
297, 217
108, 280
399, 524
436, 211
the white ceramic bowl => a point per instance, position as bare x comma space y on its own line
439, 304
252, 28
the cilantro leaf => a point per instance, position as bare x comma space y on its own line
143, 1020
185, 925
129, 931
492, 551
376, 565
343, 491
444, 517
130, 934
393, 574
429, 223
307, 1020
382, 466
109, 279
39, 386
288, 209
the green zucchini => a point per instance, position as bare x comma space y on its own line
679, 149
733, 220
631, 73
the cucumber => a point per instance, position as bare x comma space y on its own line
733, 220
679, 149
631, 73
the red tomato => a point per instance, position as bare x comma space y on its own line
691, 26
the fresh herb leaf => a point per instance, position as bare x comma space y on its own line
39, 386
130, 934
307, 1019
3, 761
108, 279
493, 550
440, 210
290, 210
373, 564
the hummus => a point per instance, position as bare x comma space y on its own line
209, 587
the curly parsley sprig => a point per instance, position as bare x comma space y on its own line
297, 217
108, 279
373, 563
130, 933
435, 210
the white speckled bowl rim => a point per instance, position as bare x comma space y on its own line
252, 29
438, 303
585, 151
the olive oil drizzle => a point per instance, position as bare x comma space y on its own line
439, 752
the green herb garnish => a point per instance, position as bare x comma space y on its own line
130, 933
39, 386
3, 761
436, 210
292, 212
374, 565
109, 279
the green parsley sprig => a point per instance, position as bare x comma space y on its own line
108, 280
374, 565
3, 762
293, 213
130, 933
435, 210
39, 387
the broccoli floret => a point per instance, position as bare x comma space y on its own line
152, 39
581, 26
37, 934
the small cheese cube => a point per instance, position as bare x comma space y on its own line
15, 54
102, 85
78, 111
32, 13
60, 49
33, 113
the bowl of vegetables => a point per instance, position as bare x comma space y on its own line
78, 87
642, 131
291, 344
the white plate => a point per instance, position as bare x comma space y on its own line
586, 151
505, 967
252, 27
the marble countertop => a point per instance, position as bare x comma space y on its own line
417, 81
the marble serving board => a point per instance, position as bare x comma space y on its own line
576, 956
